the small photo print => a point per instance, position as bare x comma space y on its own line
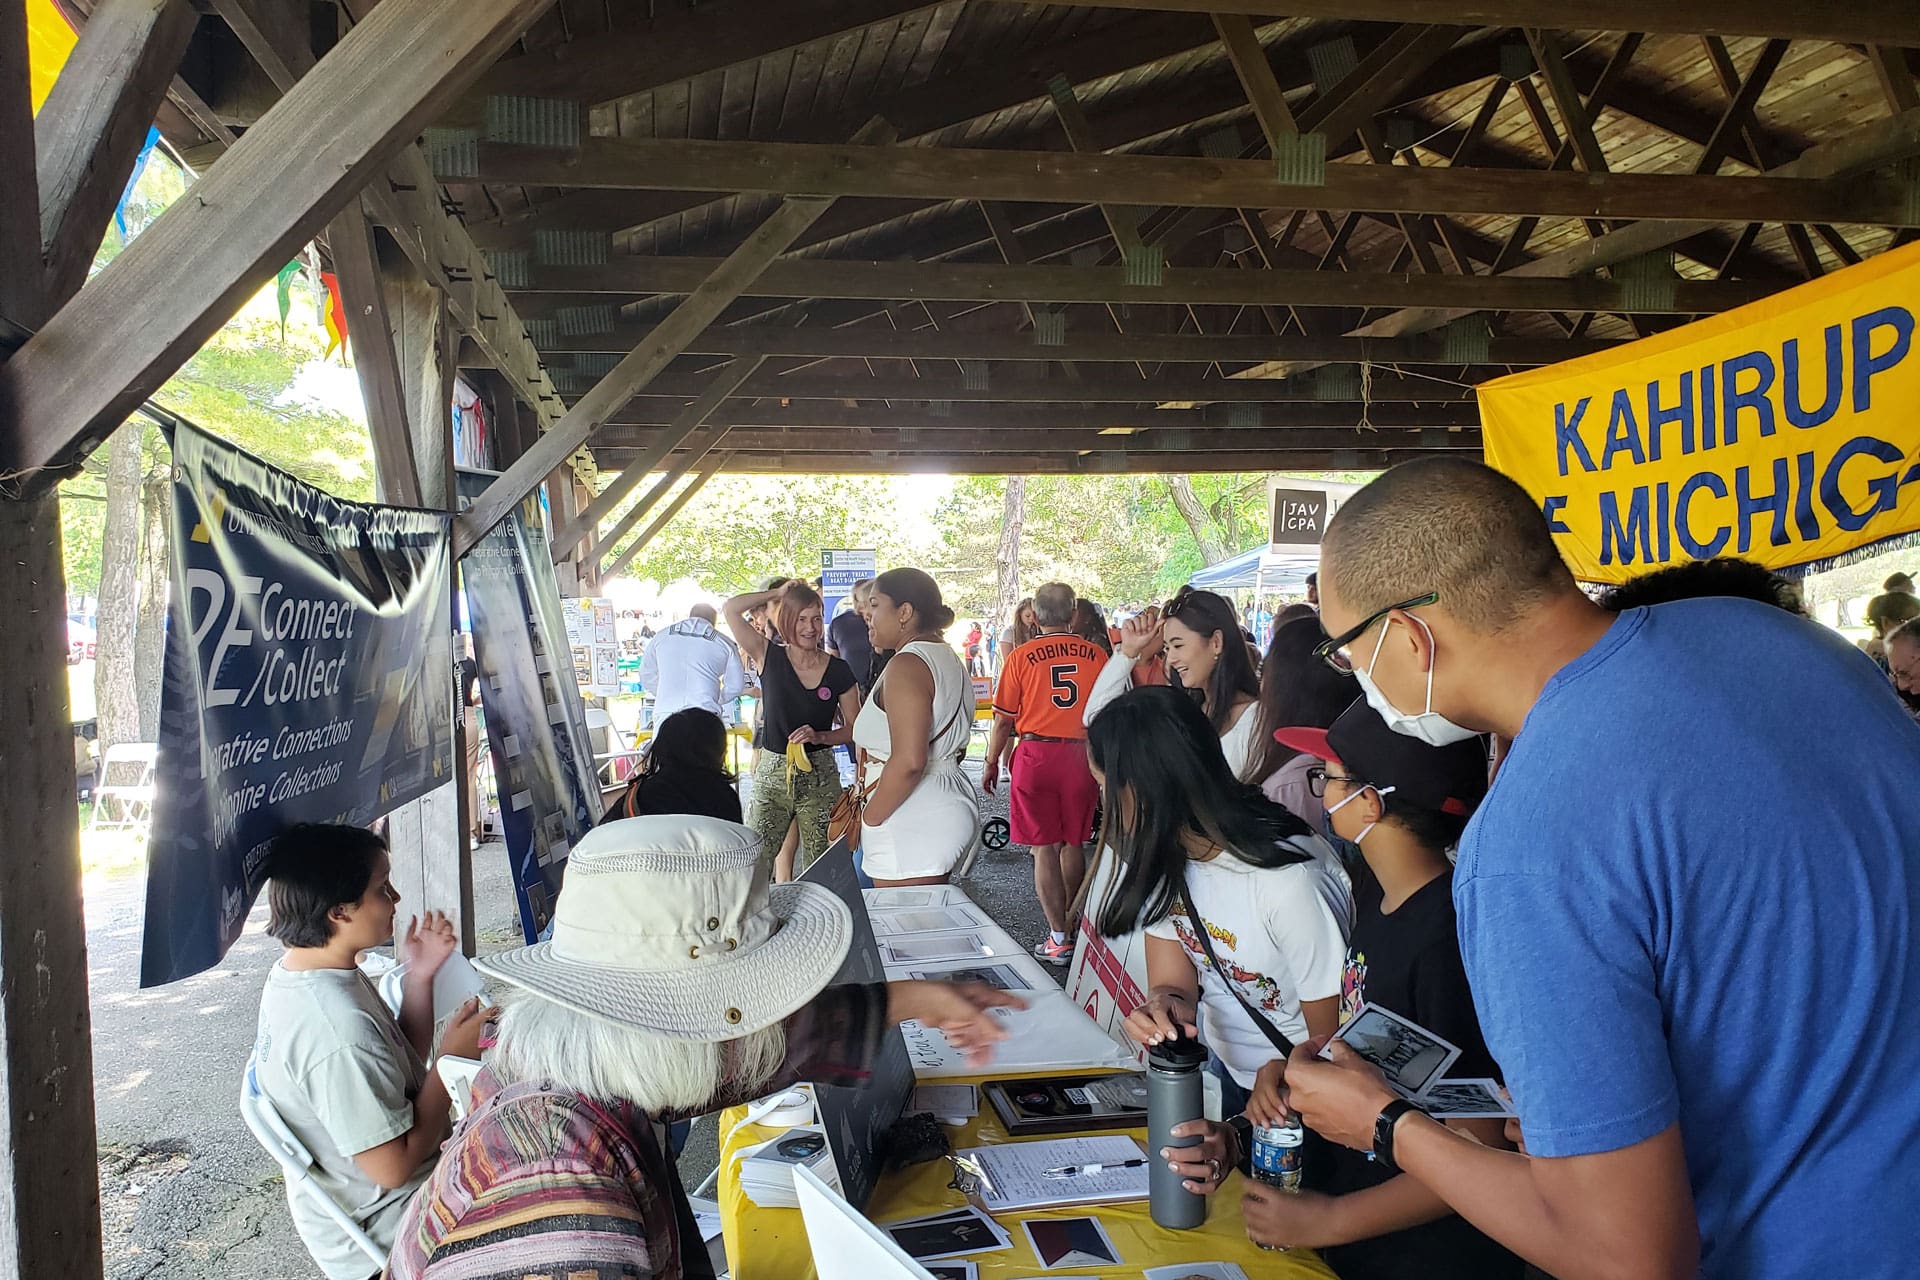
1478, 1099
1070, 1242
939, 946
953, 1270
1000, 976
925, 920
1196, 1271
1410, 1056
948, 1235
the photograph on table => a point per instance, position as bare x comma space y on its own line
1466, 1099
1002, 976
953, 1271
924, 919
1066, 1243
1070, 1104
948, 1101
1196, 1271
922, 948
1409, 1055
948, 1235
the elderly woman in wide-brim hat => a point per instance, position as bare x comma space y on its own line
678, 981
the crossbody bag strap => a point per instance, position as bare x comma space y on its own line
1260, 1020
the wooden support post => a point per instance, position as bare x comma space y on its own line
94, 122
696, 450
695, 312
728, 381
49, 1174
1895, 74
369, 329
107, 350
673, 509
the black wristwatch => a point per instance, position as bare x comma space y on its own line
1383, 1130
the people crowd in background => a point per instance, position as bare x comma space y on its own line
1579, 837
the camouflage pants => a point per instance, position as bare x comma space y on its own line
808, 799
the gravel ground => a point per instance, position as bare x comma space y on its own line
185, 1191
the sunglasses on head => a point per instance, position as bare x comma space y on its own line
1333, 652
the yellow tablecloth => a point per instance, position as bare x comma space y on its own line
771, 1244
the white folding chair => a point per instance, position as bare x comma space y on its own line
296, 1162
613, 759
124, 796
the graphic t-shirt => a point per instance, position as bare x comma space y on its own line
1045, 683
1281, 935
1409, 962
1672, 911
331, 1059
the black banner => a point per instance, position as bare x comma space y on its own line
536, 723
308, 678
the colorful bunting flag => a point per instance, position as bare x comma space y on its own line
336, 317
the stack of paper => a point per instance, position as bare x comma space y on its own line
766, 1170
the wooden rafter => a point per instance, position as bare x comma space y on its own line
1115, 460
1186, 181
1864, 22
382, 383
1076, 440
1049, 417
633, 276
22, 277
706, 473
107, 349
1006, 384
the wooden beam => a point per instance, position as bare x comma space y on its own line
1050, 417
1114, 460
1868, 22
1574, 113
698, 310
1891, 68
1070, 440
409, 204
94, 122
22, 276
683, 462
964, 344
630, 276
928, 173
1739, 112
1006, 385
108, 349
678, 45
370, 330
699, 481
1256, 76
727, 382
1373, 85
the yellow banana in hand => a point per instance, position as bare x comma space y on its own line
797, 757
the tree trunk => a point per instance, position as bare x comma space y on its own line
113, 683
150, 635
1007, 557
1194, 512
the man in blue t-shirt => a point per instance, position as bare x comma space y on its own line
1687, 907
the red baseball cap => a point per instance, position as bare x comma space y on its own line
1450, 779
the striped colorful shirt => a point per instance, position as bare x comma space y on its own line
541, 1182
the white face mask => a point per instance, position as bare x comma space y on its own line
1429, 726
1382, 792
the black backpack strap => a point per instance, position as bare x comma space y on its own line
1260, 1020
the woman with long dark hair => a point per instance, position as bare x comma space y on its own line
685, 771
1200, 850
1296, 689
1091, 624
809, 699
1206, 656
921, 816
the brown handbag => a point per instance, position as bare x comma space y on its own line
845, 817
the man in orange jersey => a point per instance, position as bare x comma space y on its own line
1040, 699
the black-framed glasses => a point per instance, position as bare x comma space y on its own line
1318, 777
1334, 652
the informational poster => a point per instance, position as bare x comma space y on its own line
536, 723
1108, 977
839, 570
308, 678
593, 644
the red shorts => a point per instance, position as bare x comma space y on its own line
1052, 796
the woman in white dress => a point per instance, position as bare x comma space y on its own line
1206, 655
921, 817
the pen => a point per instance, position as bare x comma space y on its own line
1076, 1170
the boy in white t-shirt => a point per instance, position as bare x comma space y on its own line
349, 1079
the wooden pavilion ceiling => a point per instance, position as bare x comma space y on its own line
1078, 253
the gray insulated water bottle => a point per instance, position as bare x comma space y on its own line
1174, 1096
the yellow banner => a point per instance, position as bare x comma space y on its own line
1786, 431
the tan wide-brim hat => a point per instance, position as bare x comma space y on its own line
671, 924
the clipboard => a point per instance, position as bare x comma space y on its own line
1009, 1178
